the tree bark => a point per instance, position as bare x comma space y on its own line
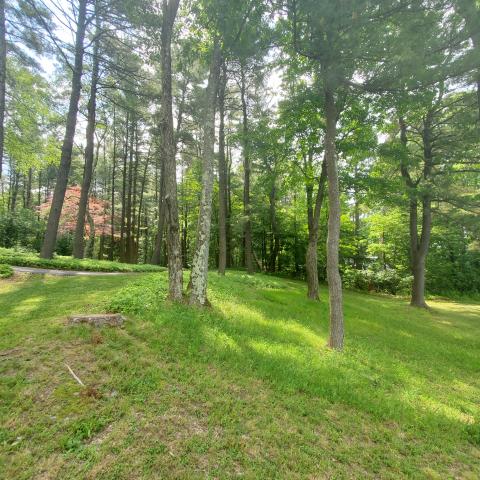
157, 251
185, 237
222, 177
128, 210
124, 193
419, 250
246, 172
311, 264
419, 245
3, 79
356, 221
274, 241
39, 193
13, 190
101, 247
49, 241
91, 236
198, 278
78, 241
229, 209
134, 160
142, 193
28, 201
112, 207
333, 240
167, 147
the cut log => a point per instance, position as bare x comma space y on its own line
98, 320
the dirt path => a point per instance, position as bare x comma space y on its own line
64, 273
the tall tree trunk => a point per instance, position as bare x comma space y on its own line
3, 79
128, 211
101, 247
185, 237
356, 221
133, 243
91, 236
49, 241
157, 251
275, 241
78, 240
14, 190
295, 235
418, 291
167, 148
419, 245
311, 263
333, 241
419, 250
39, 194
124, 193
198, 278
222, 177
142, 193
229, 209
146, 244
112, 207
246, 172
28, 202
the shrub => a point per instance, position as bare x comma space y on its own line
21, 228
382, 281
6, 271
64, 245
12, 257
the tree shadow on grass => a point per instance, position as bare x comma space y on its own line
289, 352
397, 366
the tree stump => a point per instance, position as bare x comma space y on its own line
98, 320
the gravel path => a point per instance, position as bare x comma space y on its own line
64, 273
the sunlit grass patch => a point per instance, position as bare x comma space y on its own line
246, 387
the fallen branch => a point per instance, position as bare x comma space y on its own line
98, 320
74, 375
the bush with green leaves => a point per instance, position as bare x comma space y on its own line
21, 259
6, 271
64, 246
21, 228
381, 281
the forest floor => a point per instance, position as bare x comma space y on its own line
246, 388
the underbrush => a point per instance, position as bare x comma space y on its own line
6, 271
381, 281
20, 259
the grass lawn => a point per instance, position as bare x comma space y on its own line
244, 389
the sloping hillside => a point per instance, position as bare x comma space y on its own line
245, 388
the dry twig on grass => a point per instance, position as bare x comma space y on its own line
74, 375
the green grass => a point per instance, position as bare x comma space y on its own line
245, 388
21, 259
